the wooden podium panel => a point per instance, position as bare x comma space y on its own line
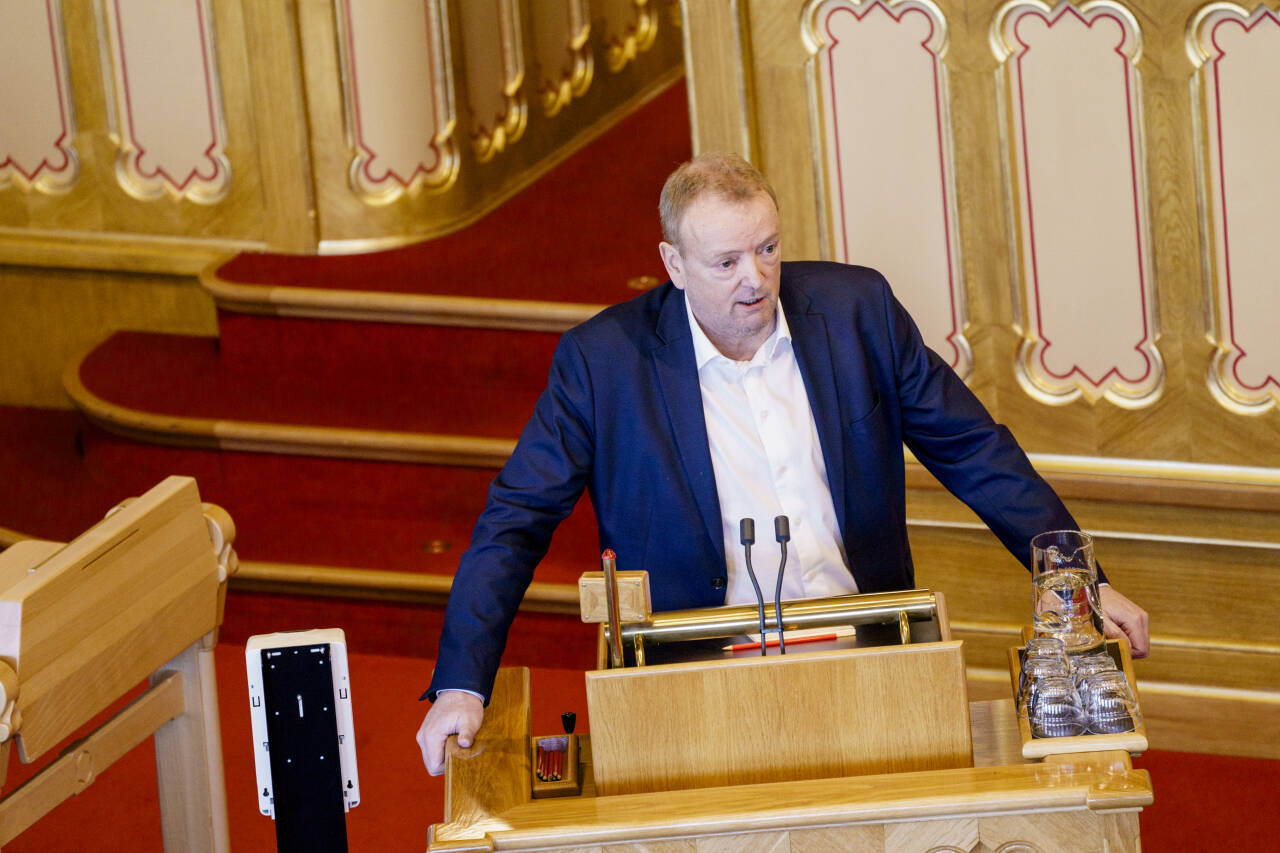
779, 718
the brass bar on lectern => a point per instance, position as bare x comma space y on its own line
639, 646
609, 564
904, 627
714, 622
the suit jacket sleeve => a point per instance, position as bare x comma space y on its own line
977, 459
534, 492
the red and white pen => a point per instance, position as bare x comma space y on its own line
798, 638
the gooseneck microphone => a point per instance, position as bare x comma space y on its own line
782, 532
747, 529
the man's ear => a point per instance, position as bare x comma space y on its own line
673, 262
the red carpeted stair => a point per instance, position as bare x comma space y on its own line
577, 234
336, 512
428, 379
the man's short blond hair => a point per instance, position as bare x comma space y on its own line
726, 175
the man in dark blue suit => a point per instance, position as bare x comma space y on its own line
743, 387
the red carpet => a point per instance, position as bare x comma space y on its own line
433, 379
120, 813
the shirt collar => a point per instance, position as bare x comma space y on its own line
705, 352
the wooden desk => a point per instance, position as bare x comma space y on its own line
1081, 802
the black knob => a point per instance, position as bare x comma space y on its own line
568, 719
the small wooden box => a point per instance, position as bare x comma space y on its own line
1033, 747
634, 601
570, 782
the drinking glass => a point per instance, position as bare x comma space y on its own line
1109, 703
1054, 709
1085, 665
1065, 601
1034, 671
1047, 647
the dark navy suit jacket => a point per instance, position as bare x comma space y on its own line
622, 417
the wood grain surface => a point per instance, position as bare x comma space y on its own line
753, 720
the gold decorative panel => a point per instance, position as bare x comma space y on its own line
630, 28
36, 134
888, 171
495, 75
1237, 58
177, 131
398, 94
1070, 92
561, 29
168, 116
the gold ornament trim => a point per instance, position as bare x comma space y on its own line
555, 95
510, 126
635, 39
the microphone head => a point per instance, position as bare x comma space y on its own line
748, 529
782, 528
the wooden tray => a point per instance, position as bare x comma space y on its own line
1038, 747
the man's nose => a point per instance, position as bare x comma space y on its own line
752, 274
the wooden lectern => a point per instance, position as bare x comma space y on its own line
843, 748
138, 595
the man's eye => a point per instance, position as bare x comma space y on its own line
771, 248
725, 264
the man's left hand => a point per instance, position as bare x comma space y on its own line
1121, 617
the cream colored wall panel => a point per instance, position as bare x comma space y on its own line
398, 93
37, 132
1071, 96
1238, 122
890, 189
168, 102
561, 32
494, 75
630, 27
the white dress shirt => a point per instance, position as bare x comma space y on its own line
768, 462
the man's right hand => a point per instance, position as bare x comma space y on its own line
453, 712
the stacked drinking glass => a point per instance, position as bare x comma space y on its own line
1064, 696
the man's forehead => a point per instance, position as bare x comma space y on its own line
715, 218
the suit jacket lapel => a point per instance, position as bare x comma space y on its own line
809, 338
678, 377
